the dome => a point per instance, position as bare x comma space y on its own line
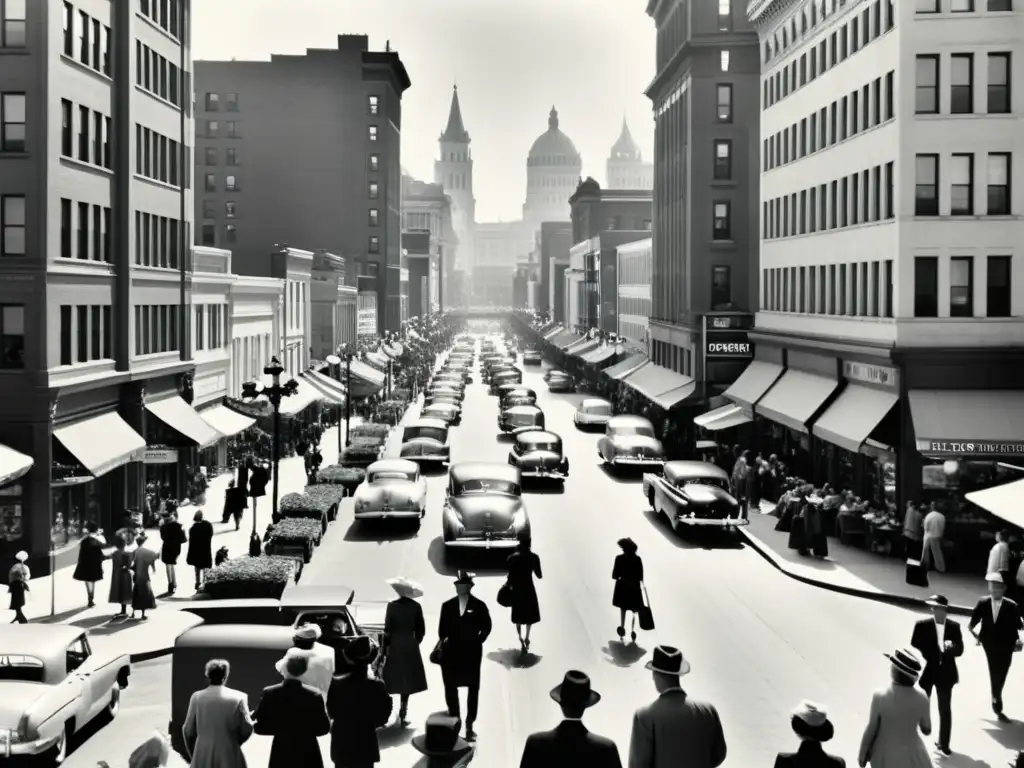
553, 148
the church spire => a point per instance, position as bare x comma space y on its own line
455, 132
553, 119
624, 147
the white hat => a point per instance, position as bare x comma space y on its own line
22, 556
996, 577
405, 587
307, 632
282, 664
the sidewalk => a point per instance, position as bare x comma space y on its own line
856, 572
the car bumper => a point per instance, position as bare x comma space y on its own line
634, 462
561, 387
427, 459
24, 748
591, 421
379, 514
554, 474
718, 522
477, 543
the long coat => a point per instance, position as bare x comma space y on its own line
295, 715
522, 567
200, 544
90, 560
404, 631
570, 742
218, 723
358, 705
121, 577
463, 638
628, 573
172, 536
675, 730
809, 755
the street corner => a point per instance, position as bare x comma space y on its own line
141, 639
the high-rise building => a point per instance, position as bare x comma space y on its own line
430, 245
454, 172
625, 167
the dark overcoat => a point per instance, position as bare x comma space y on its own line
809, 755
200, 545
404, 631
628, 573
522, 567
570, 743
172, 536
294, 714
463, 638
357, 705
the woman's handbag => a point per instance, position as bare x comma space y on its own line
437, 655
505, 595
644, 616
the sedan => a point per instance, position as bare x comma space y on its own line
521, 418
693, 494
449, 413
425, 441
484, 507
593, 412
532, 357
630, 441
393, 488
538, 454
561, 382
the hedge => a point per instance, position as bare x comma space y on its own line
370, 430
329, 494
360, 455
302, 505
339, 475
263, 577
368, 441
294, 530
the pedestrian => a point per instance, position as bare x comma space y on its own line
200, 547
933, 528
404, 630
913, 531
998, 623
234, 504
999, 560
441, 745
144, 565
939, 641
121, 576
674, 729
570, 741
741, 479
17, 585
628, 573
523, 565
810, 723
358, 705
89, 568
218, 721
172, 537
320, 659
464, 626
899, 715
294, 714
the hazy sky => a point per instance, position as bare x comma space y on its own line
512, 59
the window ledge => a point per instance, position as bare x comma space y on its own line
722, 244
12, 51
82, 165
160, 99
87, 68
157, 28
157, 183
12, 155
723, 184
936, 116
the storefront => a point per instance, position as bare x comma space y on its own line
14, 465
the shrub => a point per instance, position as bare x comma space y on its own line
239, 577
339, 475
294, 530
370, 430
371, 441
302, 505
359, 455
331, 494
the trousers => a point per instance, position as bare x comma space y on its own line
999, 660
932, 555
451, 700
944, 695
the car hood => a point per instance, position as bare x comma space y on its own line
422, 446
486, 510
636, 442
540, 459
395, 490
705, 494
17, 696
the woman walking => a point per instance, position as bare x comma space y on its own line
628, 574
523, 565
17, 585
144, 563
89, 568
172, 536
121, 577
899, 715
200, 547
404, 631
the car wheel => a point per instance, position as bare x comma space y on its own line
59, 751
114, 705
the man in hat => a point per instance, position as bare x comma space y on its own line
998, 623
811, 724
320, 658
463, 628
358, 705
294, 714
675, 730
570, 741
441, 744
939, 641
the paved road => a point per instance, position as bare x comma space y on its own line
758, 641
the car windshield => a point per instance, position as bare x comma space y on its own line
524, 418
487, 485
541, 445
390, 474
27, 669
438, 409
715, 482
430, 433
641, 430
598, 410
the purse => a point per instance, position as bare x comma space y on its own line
645, 618
437, 655
505, 595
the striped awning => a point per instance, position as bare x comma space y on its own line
333, 391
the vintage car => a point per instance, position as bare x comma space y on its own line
252, 634
515, 394
426, 441
53, 686
442, 397
449, 413
521, 418
484, 507
392, 488
451, 379
445, 388
561, 382
506, 376
456, 374
592, 412
538, 454
630, 441
552, 372
532, 357
692, 493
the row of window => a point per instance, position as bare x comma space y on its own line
13, 220
231, 183
860, 198
169, 15
635, 268
210, 209
156, 328
961, 6
93, 46
232, 129
635, 305
212, 102
12, 122
232, 156
12, 335
961, 177
94, 135
160, 77
158, 240
927, 95
160, 158
13, 18
86, 333
961, 286
210, 326
844, 118
833, 50
860, 289
208, 235
85, 231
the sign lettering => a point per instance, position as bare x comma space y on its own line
969, 448
870, 374
160, 456
718, 348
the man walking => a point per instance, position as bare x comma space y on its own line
934, 529
463, 628
675, 730
999, 560
295, 715
998, 621
940, 642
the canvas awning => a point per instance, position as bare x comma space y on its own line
599, 355
623, 368
226, 421
662, 386
13, 464
756, 379
794, 398
578, 344
552, 332
1004, 501
378, 360
333, 392
182, 418
366, 372
101, 443
564, 339
304, 396
990, 421
579, 350
722, 418
854, 415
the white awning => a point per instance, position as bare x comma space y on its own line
332, 391
226, 421
13, 464
101, 443
987, 417
793, 400
854, 415
722, 418
181, 417
1004, 501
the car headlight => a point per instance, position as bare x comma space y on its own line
360, 505
519, 520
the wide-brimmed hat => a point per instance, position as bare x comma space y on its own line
996, 577
627, 544
405, 587
668, 661
282, 664
307, 632
810, 721
575, 690
465, 577
441, 737
906, 661
22, 556
361, 650
937, 601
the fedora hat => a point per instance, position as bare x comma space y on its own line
668, 661
282, 664
440, 737
811, 721
307, 632
405, 587
937, 601
996, 577
465, 577
360, 651
906, 661
575, 689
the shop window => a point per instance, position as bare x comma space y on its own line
12, 524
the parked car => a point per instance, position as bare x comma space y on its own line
693, 493
442, 397
552, 372
630, 441
532, 357
452, 381
538, 454
484, 507
455, 374
593, 412
54, 684
520, 418
449, 413
392, 488
518, 395
561, 382
426, 441
444, 388
507, 376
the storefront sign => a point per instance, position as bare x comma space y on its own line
160, 456
725, 336
871, 374
969, 448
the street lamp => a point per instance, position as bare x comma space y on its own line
335, 362
274, 394
345, 352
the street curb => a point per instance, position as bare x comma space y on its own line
879, 597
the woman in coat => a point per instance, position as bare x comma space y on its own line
200, 547
628, 574
899, 715
17, 585
358, 705
89, 568
523, 565
121, 576
172, 536
404, 631
218, 722
144, 566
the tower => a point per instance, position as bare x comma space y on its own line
626, 168
454, 172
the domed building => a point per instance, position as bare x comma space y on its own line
626, 168
553, 170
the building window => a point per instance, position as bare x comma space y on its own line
83, 134
374, 217
12, 119
231, 184
209, 209
229, 210
12, 19
65, 228
12, 225
962, 185
374, 162
12, 335
723, 160
230, 234
210, 155
373, 132
724, 15
722, 225
926, 286
721, 286
961, 6
210, 182
66, 129
212, 102
373, 190
209, 235
723, 61
212, 128
998, 83
1000, 5
373, 104
374, 244
926, 185
926, 6
69, 30
231, 156
232, 129
231, 102
926, 97
999, 184
998, 286
724, 92
961, 84
961, 286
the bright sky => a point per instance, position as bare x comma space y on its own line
512, 59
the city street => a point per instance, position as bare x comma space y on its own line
758, 641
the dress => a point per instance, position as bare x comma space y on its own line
404, 630
629, 575
143, 598
892, 738
90, 560
121, 577
200, 545
522, 567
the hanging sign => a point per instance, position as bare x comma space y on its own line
160, 456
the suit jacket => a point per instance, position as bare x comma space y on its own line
1001, 634
939, 664
295, 715
357, 705
569, 742
675, 730
809, 755
463, 637
216, 726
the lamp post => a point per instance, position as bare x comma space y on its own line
335, 362
345, 352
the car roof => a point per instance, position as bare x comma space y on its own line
628, 420
440, 404
593, 401
299, 596
676, 470
511, 387
482, 470
435, 423
394, 465
523, 409
236, 636
557, 372
38, 640
537, 436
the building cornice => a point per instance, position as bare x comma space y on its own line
249, 285
730, 40
761, 13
